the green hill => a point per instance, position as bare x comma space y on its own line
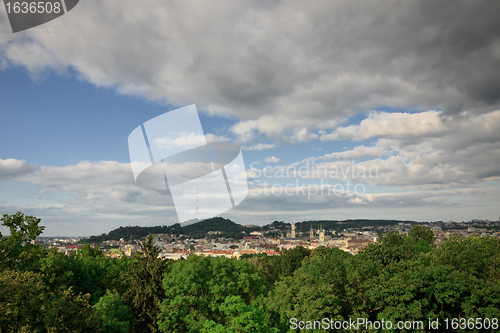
229, 229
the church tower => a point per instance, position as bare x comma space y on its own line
293, 229
311, 232
321, 234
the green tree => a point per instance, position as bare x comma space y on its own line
89, 251
114, 316
66, 311
145, 289
411, 290
21, 301
196, 288
16, 250
27, 305
240, 318
477, 256
421, 239
418, 232
477, 259
266, 265
87, 274
394, 247
318, 289
59, 271
290, 260
390, 248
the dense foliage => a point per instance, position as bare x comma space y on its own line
400, 278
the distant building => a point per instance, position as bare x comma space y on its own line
321, 234
357, 242
129, 250
237, 254
115, 255
173, 256
338, 243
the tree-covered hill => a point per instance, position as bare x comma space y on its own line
196, 230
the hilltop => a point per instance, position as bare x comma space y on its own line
196, 230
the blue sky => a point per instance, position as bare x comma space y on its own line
420, 108
58, 120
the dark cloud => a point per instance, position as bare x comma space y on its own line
304, 65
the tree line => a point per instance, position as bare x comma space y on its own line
400, 278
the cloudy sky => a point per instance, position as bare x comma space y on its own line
343, 109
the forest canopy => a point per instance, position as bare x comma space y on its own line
400, 278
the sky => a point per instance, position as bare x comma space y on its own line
342, 109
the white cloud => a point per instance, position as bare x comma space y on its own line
180, 140
216, 138
35, 57
259, 146
302, 135
90, 197
356, 201
356, 153
102, 181
314, 201
12, 168
272, 159
286, 130
424, 150
328, 137
384, 124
